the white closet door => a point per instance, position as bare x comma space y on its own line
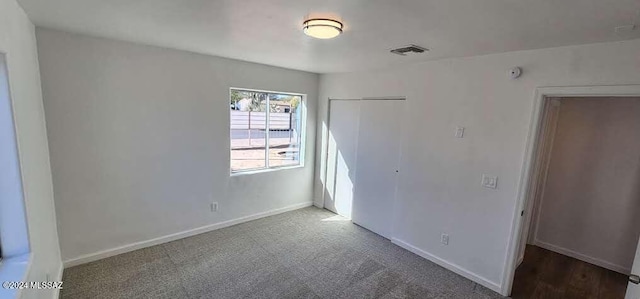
341, 156
378, 156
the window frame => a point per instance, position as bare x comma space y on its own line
302, 134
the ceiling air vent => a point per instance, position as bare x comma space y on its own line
409, 49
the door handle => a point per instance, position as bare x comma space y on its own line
634, 278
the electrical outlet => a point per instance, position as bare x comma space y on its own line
444, 239
214, 207
489, 181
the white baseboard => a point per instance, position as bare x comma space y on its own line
176, 236
583, 257
450, 266
318, 204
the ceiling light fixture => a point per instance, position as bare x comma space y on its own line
322, 28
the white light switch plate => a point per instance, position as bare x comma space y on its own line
489, 181
459, 132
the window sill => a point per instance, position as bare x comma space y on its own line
14, 269
265, 170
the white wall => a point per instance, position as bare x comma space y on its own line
18, 42
139, 141
591, 201
439, 184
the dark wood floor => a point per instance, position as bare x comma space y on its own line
546, 274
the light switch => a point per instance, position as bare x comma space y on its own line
459, 132
489, 181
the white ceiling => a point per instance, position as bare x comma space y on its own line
269, 31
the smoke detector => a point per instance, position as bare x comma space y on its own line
409, 49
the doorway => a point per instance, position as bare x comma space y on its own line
363, 153
13, 223
584, 230
580, 198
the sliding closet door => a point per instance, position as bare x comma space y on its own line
341, 156
378, 153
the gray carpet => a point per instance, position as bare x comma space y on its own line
307, 253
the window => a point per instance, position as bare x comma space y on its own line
266, 130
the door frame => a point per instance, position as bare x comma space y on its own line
540, 168
528, 175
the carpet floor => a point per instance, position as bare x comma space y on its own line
307, 253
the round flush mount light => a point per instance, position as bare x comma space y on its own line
322, 28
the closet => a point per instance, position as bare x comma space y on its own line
363, 154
